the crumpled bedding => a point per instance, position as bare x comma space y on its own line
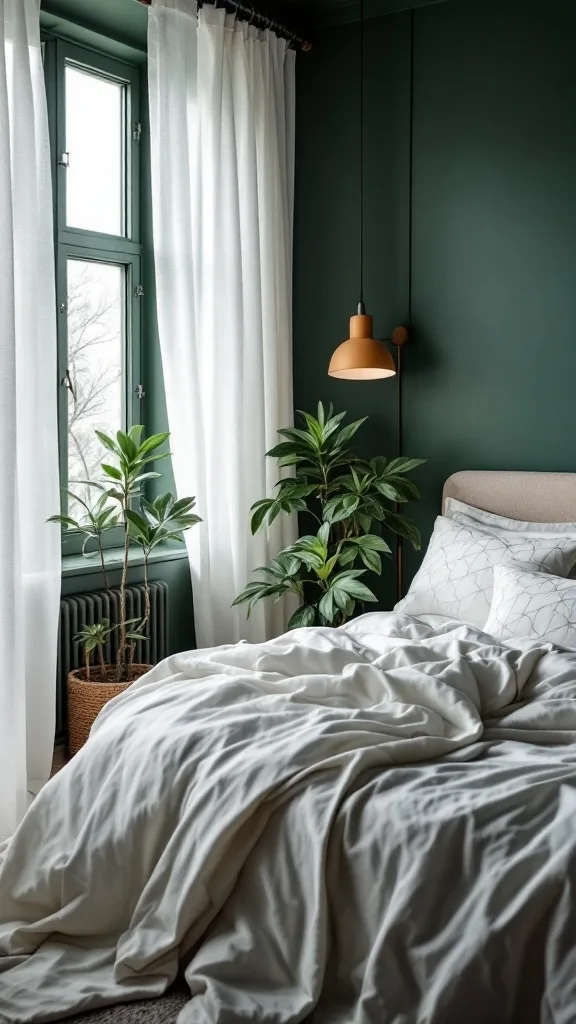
366, 825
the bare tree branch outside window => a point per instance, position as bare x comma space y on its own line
95, 347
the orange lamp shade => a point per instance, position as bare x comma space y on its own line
361, 357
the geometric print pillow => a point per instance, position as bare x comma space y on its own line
456, 577
534, 605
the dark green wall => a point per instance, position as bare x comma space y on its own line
326, 233
490, 372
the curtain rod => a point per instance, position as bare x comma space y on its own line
239, 8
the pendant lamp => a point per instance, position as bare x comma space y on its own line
362, 356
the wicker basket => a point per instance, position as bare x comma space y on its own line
86, 700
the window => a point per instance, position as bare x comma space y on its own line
95, 128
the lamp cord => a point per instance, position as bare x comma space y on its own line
361, 156
399, 543
411, 168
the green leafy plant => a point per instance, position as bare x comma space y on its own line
349, 499
92, 639
145, 523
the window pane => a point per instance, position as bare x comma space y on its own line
96, 345
94, 141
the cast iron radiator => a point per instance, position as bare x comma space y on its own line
86, 609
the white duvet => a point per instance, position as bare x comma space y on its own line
264, 816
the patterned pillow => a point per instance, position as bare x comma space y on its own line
534, 605
456, 576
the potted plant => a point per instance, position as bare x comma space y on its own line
146, 524
349, 500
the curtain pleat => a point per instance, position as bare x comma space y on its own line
29, 480
222, 140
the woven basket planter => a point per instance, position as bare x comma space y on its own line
86, 700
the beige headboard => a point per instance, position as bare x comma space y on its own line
536, 497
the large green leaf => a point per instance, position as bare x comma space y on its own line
344, 601
403, 526
340, 507
107, 441
331, 427
347, 433
324, 572
327, 606
304, 437
314, 426
152, 442
291, 488
287, 448
283, 567
304, 616
270, 508
374, 507
368, 547
66, 521
397, 488
404, 465
354, 587
255, 592
127, 446
111, 471
378, 465
144, 476
181, 506
324, 534
389, 491
139, 526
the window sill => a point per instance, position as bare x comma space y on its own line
78, 565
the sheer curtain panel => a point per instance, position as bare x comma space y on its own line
222, 138
29, 482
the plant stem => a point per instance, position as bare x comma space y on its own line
313, 514
131, 649
121, 661
146, 618
102, 562
324, 498
87, 660
101, 660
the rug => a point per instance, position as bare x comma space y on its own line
164, 1010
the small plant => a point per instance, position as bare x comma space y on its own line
349, 500
145, 523
92, 639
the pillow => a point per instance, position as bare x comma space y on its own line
456, 576
534, 605
460, 512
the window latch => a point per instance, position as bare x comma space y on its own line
140, 393
66, 382
138, 291
137, 131
64, 160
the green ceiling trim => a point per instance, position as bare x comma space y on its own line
119, 25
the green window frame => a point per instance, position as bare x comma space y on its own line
123, 250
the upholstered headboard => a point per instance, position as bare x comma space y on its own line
536, 497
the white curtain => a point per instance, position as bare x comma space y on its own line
222, 138
29, 484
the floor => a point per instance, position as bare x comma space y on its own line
149, 1011
59, 760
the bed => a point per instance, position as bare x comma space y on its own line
365, 825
